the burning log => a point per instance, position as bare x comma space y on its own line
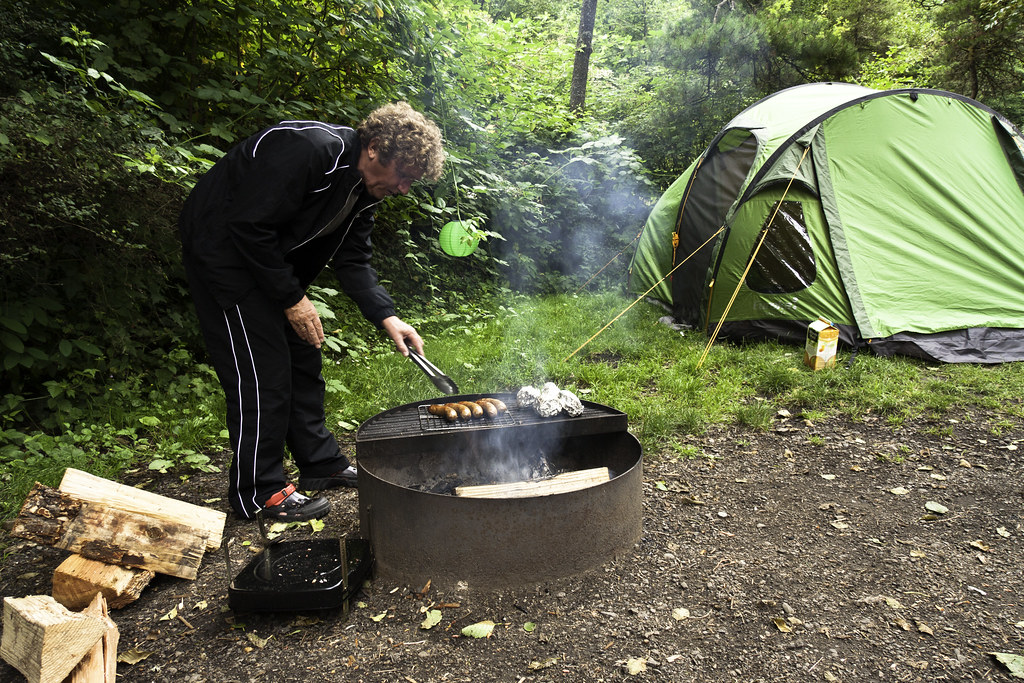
562, 483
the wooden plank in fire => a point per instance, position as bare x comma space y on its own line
562, 483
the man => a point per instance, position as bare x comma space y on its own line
256, 231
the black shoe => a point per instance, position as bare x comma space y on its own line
288, 505
348, 477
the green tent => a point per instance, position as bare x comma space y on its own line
897, 215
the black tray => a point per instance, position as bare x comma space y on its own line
294, 576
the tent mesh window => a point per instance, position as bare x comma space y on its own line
785, 262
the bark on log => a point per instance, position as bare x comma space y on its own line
92, 489
132, 539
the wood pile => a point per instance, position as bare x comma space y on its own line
120, 537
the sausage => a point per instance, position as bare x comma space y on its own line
499, 405
463, 412
450, 413
474, 408
436, 409
488, 408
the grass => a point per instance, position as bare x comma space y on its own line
636, 365
651, 372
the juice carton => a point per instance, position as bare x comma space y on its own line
822, 341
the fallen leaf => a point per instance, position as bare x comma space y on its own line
257, 641
432, 620
170, 615
874, 599
133, 656
1003, 532
537, 666
661, 486
672, 658
840, 525
924, 628
937, 508
980, 546
316, 525
680, 613
964, 463
361, 605
918, 553
201, 605
856, 468
481, 629
529, 627
379, 616
828, 477
899, 491
781, 624
939, 477
635, 666
1014, 663
903, 624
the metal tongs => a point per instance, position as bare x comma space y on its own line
440, 380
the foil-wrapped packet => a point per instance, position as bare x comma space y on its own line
549, 400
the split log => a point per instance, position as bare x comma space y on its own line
44, 640
90, 488
562, 483
78, 579
132, 539
100, 664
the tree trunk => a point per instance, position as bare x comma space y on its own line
581, 64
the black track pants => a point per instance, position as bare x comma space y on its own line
274, 391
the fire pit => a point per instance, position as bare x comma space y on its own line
411, 462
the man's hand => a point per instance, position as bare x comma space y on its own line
306, 322
403, 334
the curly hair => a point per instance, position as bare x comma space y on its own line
405, 136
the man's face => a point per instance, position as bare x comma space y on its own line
383, 180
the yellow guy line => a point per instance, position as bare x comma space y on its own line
664, 277
743, 278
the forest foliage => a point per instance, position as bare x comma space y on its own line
109, 110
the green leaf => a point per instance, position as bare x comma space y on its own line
481, 629
529, 627
13, 343
13, 325
149, 420
432, 620
65, 347
1015, 663
88, 347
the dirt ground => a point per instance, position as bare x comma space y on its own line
805, 553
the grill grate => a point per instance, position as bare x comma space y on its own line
412, 420
436, 423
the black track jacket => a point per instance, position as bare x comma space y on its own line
256, 218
